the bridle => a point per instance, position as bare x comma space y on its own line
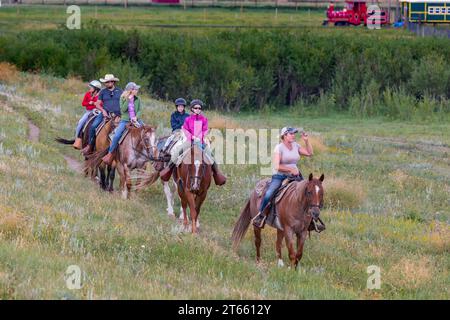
318, 224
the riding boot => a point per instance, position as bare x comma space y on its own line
78, 143
219, 178
259, 220
166, 173
108, 159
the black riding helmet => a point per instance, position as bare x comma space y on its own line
180, 101
196, 101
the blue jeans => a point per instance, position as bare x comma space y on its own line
118, 134
95, 123
81, 123
275, 183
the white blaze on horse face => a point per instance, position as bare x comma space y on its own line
197, 168
317, 189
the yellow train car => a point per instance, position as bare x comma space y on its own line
426, 11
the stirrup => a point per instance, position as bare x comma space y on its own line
263, 220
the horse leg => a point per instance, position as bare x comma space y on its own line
280, 235
198, 204
126, 184
300, 243
102, 178
289, 237
185, 218
122, 181
192, 211
128, 181
169, 198
111, 176
257, 232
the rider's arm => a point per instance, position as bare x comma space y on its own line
99, 102
173, 121
205, 128
308, 151
187, 133
137, 108
123, 105
86, 100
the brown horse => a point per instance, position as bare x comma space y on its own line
298, 211
193, 177
106, 178
135, 151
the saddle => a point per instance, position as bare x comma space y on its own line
261, 188
91, 118
124, 134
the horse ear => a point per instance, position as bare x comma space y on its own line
310, 176
322, 177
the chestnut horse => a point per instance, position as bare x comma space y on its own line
136, 149
193, 177
298, 212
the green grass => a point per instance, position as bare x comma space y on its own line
16, 19
51, 217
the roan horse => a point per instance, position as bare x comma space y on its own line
106, 173
135, 151
144, 178
298, 211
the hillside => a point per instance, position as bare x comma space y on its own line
386, 204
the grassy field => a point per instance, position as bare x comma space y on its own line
29, 17
387, 204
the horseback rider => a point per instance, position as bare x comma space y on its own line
285, 157
195, 128
108, 103
89, 100
177, 119
179, 116
130, 107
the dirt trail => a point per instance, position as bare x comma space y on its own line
34, 136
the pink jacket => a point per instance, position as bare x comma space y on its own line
195, 126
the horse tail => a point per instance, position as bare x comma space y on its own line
144, 178
241, 226
64, 141
94, 160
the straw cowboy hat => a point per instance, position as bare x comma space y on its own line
109, 77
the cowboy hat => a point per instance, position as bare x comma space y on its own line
109, 77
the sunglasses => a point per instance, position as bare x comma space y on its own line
197, 108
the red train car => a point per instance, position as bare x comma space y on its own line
166, 1
355, 13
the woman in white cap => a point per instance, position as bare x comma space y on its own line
89, 100
130, 109
285, 158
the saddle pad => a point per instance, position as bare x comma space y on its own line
89, 120
100, 127
180, 158
262, 185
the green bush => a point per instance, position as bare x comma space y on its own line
249, 69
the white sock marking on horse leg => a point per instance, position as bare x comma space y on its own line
280, 263
124, 193
169, 198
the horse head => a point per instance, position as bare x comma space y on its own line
197, 163
148, 140
314, 200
